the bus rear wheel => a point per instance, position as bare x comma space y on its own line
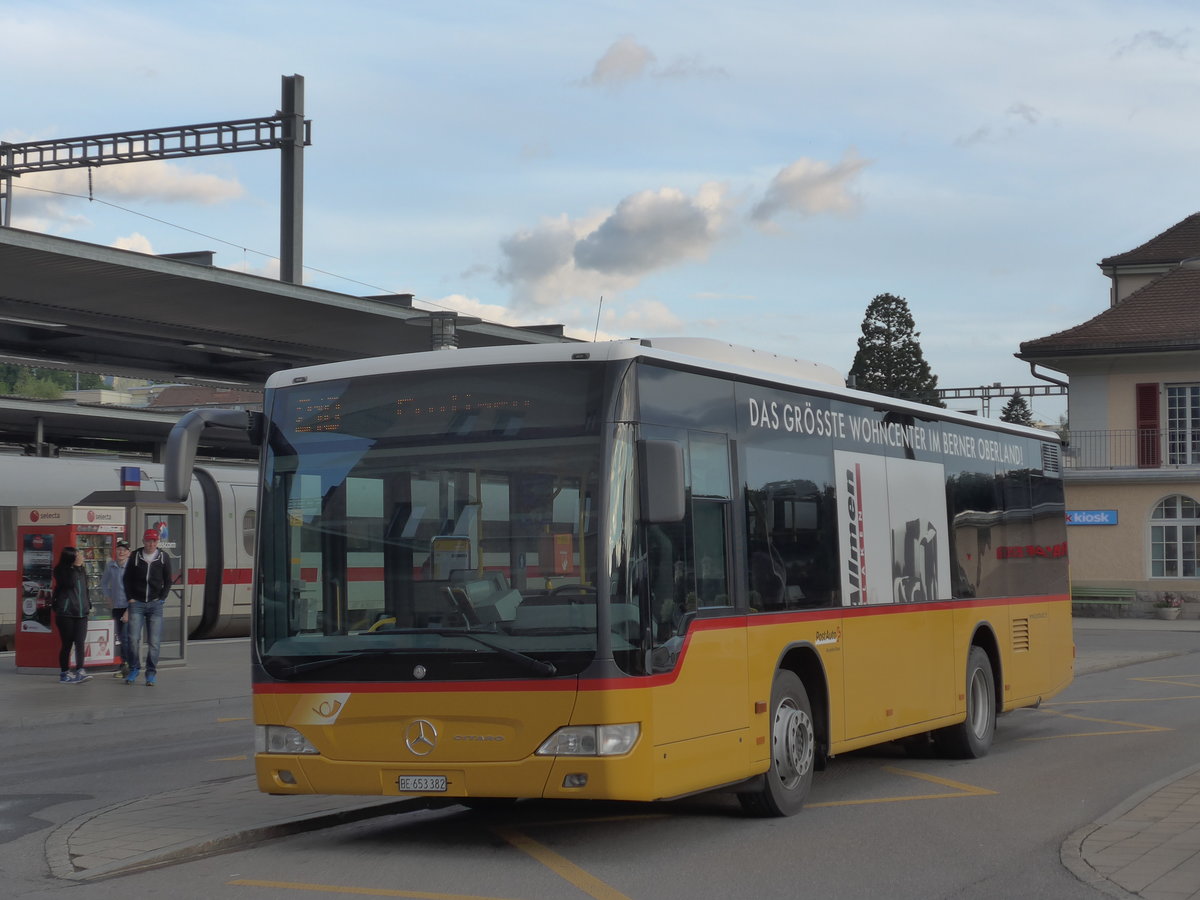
972, 738
793, 752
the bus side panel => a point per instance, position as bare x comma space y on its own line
771, 640
1038, 652
700, 717
900, 667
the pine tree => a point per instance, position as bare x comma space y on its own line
1016, 411
889, 358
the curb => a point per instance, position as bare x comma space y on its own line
1071, 851
58, 853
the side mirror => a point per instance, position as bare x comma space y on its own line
660, 464
182, 442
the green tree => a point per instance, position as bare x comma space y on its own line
889, 358
1016, 411
44, 384
37, 387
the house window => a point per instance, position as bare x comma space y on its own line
1183, 424
1175, 538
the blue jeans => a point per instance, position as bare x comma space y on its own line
148, 616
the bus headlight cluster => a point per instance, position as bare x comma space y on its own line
591, 740
280, 739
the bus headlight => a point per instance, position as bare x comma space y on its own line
591, 740
280, 739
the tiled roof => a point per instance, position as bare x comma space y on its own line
1163, 315
1179, 242
189, 396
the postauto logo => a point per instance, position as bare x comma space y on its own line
1091, 517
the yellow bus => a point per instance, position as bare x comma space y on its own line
633, 570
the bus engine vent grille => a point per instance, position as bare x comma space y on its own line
1051, 460
1020, 635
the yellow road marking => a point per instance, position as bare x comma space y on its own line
234, 719
231, 758
1130, 727
1172, 679
560, 865
361, 891
1123, 700
960, 790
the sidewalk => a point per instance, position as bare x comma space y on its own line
1150, 845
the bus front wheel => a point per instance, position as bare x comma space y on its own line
793, 746
973, 738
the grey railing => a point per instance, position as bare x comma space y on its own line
1131, 448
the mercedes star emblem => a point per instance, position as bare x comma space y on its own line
420, 737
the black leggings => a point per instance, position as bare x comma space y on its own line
72, 630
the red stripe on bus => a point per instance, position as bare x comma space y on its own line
637, 682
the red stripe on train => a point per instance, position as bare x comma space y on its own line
228, 576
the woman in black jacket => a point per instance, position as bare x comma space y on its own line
71, 607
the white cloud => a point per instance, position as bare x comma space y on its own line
535, 254
1154, 40
565, 259
136, 242
653, 229
810, 187
266, 267
626, 60
646, 317
150, 180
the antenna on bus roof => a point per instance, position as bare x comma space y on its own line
596, 333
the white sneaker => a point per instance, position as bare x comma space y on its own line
81, 676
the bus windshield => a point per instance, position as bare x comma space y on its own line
440, 526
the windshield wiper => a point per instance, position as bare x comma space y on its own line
537, 666
283, 671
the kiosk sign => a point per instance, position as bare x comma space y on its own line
1091, 517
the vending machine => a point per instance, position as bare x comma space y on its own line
42, 532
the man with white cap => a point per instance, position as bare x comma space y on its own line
147, 584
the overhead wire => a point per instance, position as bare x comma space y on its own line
92, 199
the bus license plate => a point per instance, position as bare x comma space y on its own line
423, 783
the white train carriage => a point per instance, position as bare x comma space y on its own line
218, 540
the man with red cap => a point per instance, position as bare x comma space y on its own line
147, 583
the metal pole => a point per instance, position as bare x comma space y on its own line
291, 183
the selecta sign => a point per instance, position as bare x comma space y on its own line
1091, 517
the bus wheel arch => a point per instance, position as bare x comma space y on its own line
972, 738
798, 734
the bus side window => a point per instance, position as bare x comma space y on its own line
666, 577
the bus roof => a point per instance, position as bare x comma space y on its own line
696, 353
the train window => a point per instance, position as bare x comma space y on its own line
248, 521
8, 529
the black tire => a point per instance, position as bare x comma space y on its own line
793, 752
972, 738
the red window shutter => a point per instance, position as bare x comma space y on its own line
1149, 446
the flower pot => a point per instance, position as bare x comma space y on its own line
1166, 612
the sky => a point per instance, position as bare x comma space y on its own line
755, 172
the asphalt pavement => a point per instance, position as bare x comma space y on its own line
1149, 846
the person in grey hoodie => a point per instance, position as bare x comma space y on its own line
71, 606
112, 586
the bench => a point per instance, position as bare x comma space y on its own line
1101, 599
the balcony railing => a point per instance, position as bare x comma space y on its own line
1132, 448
